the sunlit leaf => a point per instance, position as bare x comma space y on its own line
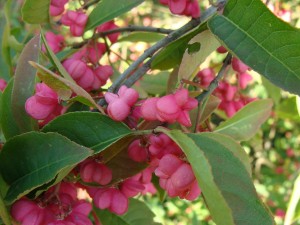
246, 122
36, 11
261, 40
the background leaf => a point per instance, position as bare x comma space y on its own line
155, 84
289, 108
293, 203
107, 10
40, 158
36, 11
261, 40
222, 178
138, 213
246, 122
24, 85
147, 37
192, 60
170, 56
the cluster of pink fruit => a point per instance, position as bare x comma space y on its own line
183, 7
58, 206
230, 93
168, 161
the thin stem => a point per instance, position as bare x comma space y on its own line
133, 28
214, 84
130, 28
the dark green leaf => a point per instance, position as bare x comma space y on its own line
107, 10
225, 182
89, 129
24, 85
40, 157
261, 40
138, 214
246, 122
8, 124
36, 11
147, 37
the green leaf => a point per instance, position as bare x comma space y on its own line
170, 56
261, 40
289, 108
210, 106
246, 122
138, 213
8, 124
89, 129
24, 85
155, 84
148, 37
107, 10
40, 157
273, 91
225, 182
4, 215
293, 203
5, 51
104, 136
36, 11
192, 59
54, 60
4, 68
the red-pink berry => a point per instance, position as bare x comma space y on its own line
110, 25
239, 66
55, 42
168, 164
137, 152
57, 7
244, 79
92, 171
3, 84
76, 21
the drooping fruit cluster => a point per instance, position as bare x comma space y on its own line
229, 92
175, 173
44, 104
59, 205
